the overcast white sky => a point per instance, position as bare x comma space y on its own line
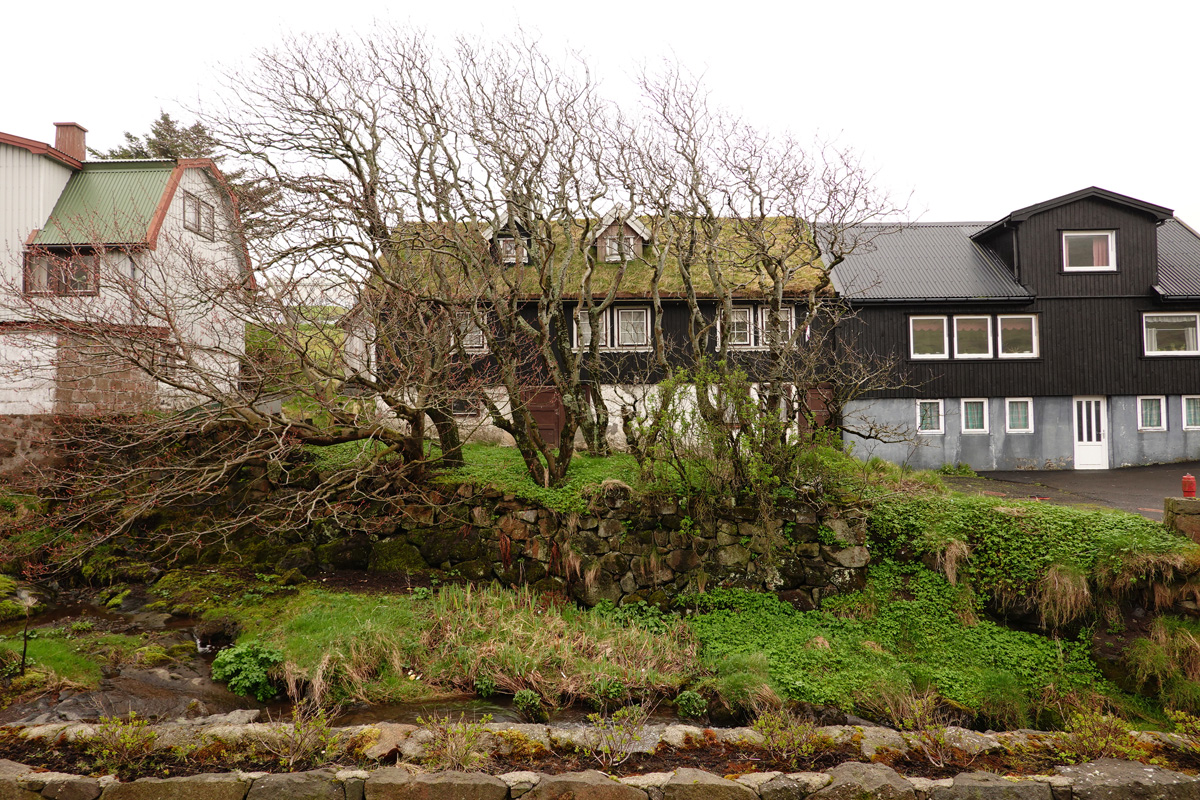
976, 108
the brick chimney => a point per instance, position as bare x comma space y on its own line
69, 139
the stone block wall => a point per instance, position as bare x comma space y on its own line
1183, 514
621, 550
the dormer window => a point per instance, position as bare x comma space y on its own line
61, 273
1089, 251
619, 248
508, 249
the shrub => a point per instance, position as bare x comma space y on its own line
1091, 734
529, 704
306, 740
455, 745
121, 743
616, 737
790, 739
691, 705
246, 668
920, 712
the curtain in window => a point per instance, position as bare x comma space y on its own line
1152, 413
973, 416
1018, 416
1191, 412
1167, 333
929, 417
1100, 251
1016, 335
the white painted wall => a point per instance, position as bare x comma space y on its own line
29, 187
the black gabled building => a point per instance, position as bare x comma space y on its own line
1062, 336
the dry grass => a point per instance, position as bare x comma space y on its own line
1063, 595
951, 559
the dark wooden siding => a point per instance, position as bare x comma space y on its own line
1040, 249
1087, 346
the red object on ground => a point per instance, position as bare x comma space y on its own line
1189, 486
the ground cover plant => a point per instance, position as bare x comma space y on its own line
396, 647
909, 628
1059, 561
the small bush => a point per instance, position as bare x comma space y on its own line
616, 737
1091, 734
691, 705
455, 745
121, 744
529, 704
790, 739
306, 740
246, 668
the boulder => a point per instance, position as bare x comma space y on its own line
651, 783
397, 784
989, 786
519, 783
852, 781
316, 785
224, 786
591, 785
1113, 779
695, 784
875, 739
396, 555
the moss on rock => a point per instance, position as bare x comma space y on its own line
396, 555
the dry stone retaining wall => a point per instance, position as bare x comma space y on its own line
621, 551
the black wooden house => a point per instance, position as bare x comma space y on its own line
1066, 335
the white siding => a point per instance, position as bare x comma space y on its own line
29, 187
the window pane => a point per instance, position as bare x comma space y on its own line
1191, 412
739, 329
1087, 250
37, 276
1151, 412
585, 331
972, 336
1016, 336
1018, 415
1170, 333
973, 415
631, 328
77, 274
929, 336
930, 418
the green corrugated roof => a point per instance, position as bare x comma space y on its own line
107, 202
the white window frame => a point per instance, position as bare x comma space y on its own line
464, 326
787, 314
965, 356
945, 354
750, 320
619, 248
1112, 251
644, 311
1146, 338
941, 428
508, 248
1000, 336
962, 410
1162, 412
1008, 401
1183, 412
602, 318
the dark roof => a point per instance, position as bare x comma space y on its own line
1178, 260
926, 261
1159, 213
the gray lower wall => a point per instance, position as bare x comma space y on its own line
1050, 446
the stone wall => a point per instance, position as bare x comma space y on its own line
1183, 514
24, 442
621, 550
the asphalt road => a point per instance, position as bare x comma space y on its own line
1137, 489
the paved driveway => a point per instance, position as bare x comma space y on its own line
1137, 489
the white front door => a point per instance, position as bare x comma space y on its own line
1091, 441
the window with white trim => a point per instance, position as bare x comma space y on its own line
1152, 413
1191, 412
928, 337
786, 324
975, 415
471, 335
1018, 335
1089, 251
633, 327
930, 416
1171, 334
198, 216
507, 247
741, 327
972, 337
1018, 415
619, 248
583, 328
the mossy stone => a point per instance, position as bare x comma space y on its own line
297, 557
396, 555
352, 552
